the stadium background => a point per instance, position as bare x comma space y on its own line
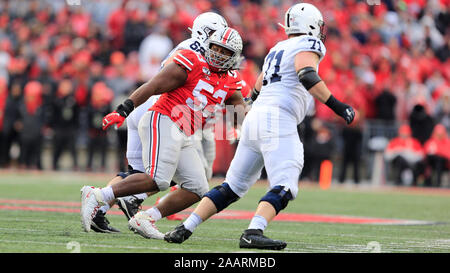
63, 67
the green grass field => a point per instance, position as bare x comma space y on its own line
28, 231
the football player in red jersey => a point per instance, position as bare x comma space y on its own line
204, 25
190, 86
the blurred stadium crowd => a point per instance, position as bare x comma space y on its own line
62, 68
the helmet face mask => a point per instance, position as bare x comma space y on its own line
228, 39
218, 60
321, 34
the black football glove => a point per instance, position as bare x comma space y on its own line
349, 115
341, 109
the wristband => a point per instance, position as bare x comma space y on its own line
335, 105
255, 94
125, 108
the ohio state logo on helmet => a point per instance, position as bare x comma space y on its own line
227, 38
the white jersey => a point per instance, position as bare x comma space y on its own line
191, 44
269, 132
281, 88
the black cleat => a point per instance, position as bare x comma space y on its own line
178, 235
254, 238
129, 205
101, 224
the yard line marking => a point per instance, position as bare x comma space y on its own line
225, 214
408, 246
47, 209
40, 202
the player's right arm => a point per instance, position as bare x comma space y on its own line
169, 78
305, 63
257, 87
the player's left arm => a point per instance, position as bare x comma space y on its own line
235, 99
240, 107
305, 63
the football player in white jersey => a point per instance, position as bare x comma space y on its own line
287, 85
203, 26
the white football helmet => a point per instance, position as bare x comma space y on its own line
227, 38
206, 24
305, 19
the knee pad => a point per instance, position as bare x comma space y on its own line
278, 197
222, 196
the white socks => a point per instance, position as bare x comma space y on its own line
154, 213
192, 222
107, 194
258, 222
105, 208
142, 196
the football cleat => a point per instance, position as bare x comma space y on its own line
91, 201
178, 235
254, 238
101, 224
143, 224
129, 205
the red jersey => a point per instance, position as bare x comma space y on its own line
189, 105
409, 148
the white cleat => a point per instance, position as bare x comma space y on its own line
91, 201
145, 226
